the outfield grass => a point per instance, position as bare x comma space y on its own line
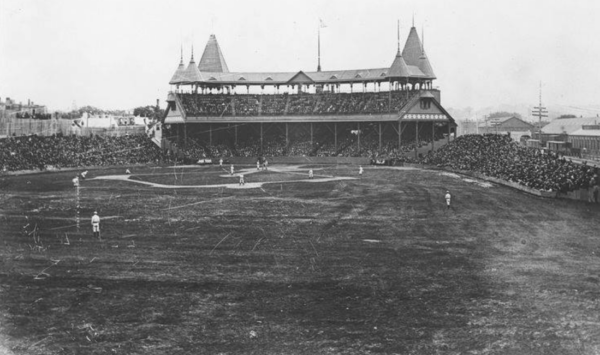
371, 265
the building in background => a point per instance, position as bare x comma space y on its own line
511, 125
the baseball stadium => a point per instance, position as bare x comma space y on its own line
301, 212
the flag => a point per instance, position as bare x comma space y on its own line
321, 23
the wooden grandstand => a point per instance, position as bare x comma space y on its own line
384, 106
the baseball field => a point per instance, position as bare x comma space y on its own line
190, 262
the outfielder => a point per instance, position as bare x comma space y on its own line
448, 197
360, 170
310, 174
242, 180
96, 225
231, 170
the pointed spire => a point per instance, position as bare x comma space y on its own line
192, 60
212, 58
424, 64
422, 39
398, 36
399, 69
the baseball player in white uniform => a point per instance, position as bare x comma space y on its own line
360, 170
310, 174
231, 170
448, 197
242, 180
96, 225
76, 181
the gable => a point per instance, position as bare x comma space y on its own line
300, 78
415, 112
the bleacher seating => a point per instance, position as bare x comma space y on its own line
370, 103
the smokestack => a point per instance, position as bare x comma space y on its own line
157, 103
28, 102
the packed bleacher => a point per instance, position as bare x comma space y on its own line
491, 155
58, 151
369, 103
498, 156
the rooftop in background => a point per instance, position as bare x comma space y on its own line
569, 125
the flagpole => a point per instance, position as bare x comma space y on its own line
319, 46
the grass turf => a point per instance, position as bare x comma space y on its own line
372, 265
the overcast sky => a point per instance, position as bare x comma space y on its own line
120, 54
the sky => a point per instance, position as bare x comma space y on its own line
117, 54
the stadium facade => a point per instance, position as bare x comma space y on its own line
383, 107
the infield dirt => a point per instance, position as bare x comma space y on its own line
375, 264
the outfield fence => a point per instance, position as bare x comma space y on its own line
10, 126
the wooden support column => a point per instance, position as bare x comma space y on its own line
358, 135
399, 134
335, 136
432, 136
417, 140
287, 136
210, 134
448, 131
379, 135
311, 134
261, 137
235, 130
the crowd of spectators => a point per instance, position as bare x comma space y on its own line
500, 157
58, 151
206, 105
492, 155
293, 105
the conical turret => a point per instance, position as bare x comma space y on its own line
178, 75
424, 64
399, 69
412, 48
192, 74
212, 59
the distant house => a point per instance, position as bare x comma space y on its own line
511, 125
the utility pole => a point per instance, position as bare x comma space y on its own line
539, 112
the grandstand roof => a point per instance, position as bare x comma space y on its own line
412, 48
214, 70
568, 125
212, 59
283, 78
